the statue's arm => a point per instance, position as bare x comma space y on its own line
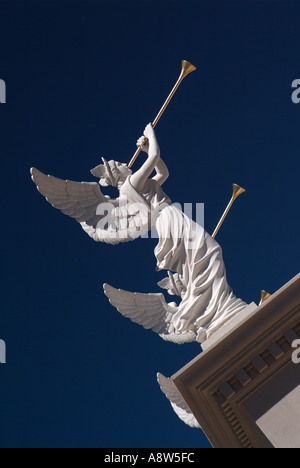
139, 178
162, 172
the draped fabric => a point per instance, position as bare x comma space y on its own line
186, 248
208, 301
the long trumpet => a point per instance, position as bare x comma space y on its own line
186, 69
237, 191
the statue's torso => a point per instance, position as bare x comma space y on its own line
152, 194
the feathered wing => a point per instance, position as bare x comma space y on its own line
149, 310
177, 401
84, 202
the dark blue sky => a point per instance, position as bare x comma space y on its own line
83, 79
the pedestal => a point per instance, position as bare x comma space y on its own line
244, 389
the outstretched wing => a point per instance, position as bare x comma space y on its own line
149, 310
79, 200
177, 401
112, 223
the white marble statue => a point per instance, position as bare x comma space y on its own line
190, 255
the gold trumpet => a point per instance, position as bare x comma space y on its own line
186, 69
237, 191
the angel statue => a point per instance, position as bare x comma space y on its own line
193, 259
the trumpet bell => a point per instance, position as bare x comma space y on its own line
264, 296
186, 68
237, 191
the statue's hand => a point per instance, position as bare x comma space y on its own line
149, 131
143, 143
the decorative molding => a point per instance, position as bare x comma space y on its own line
218, 383
280, 349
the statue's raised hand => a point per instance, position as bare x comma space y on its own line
143, 143
149, 131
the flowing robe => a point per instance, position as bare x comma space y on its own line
186, 248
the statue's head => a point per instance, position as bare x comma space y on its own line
112, 173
